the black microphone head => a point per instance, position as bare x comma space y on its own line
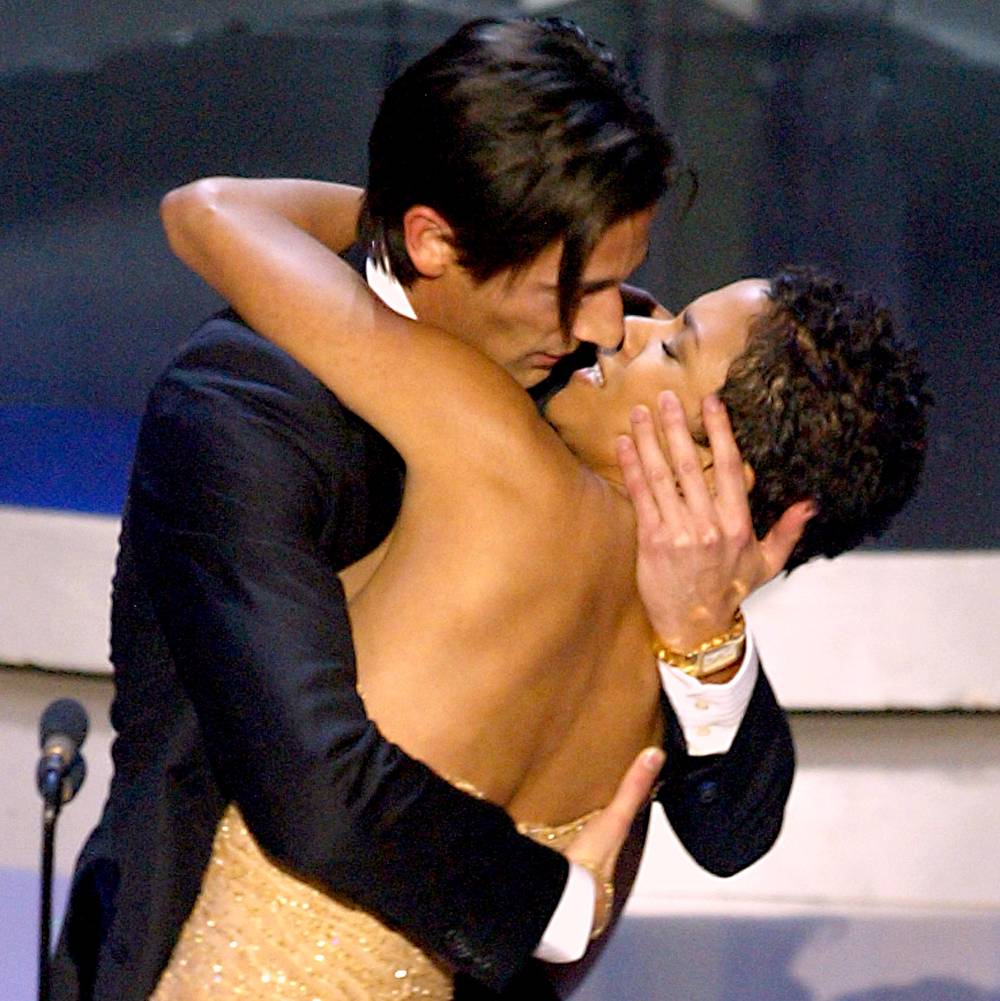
64, 716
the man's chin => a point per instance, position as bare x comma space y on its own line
531, 377
527, 375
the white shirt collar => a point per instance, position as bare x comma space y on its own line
384, 284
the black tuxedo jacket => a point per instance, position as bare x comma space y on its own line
234, 681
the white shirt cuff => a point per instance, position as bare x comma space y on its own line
568, 932
710, 715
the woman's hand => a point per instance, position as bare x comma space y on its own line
698, 556
597, 846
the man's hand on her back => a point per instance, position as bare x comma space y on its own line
599, 843
698, 556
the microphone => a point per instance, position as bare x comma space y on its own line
61, 771
61, 733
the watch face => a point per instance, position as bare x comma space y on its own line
719, 658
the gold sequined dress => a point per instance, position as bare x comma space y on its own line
257, 932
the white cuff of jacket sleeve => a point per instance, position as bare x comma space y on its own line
568, 932
710, 715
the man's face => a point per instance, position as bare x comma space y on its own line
514, 318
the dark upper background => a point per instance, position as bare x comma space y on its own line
863, 136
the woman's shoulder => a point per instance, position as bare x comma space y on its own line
521, 513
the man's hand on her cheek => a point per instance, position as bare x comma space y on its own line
698, 557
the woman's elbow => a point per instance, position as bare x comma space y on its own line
185, 211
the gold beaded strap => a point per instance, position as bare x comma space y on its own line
559, 832
551, 834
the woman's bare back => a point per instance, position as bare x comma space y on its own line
500, 638
503, 641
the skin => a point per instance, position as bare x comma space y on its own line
688, 355
513, 317
698, 557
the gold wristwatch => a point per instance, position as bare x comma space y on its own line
712, 656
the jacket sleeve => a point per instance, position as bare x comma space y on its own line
727, 809
250, 481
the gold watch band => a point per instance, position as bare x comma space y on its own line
710, 657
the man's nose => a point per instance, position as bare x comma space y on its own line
600, 318
637, 331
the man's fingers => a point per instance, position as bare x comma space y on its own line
647, 514
785, 533
634, 789
727, 463
655, 466
683, 455
658, 476
602, 839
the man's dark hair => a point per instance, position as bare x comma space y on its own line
520, 133
827, 404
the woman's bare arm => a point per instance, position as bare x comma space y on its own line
327, 212
268, 246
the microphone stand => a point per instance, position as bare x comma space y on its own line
50, 813
56, 790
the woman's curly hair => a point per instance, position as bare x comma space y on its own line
827, 404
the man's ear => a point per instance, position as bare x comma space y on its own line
428, 240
